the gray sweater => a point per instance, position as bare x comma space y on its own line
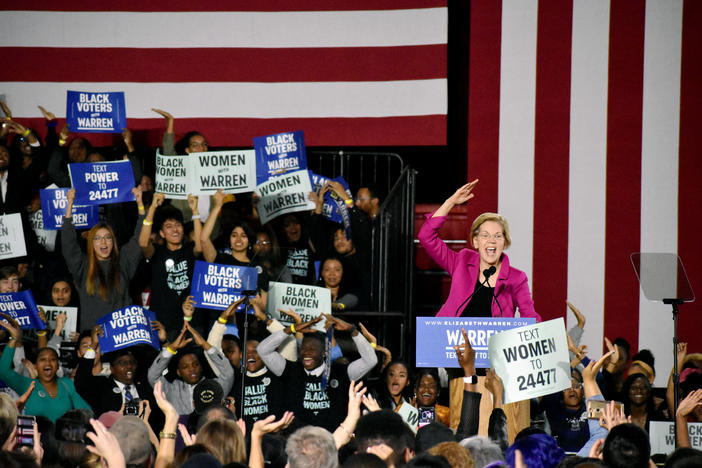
179, 393
92, 307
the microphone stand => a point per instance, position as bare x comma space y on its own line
487, 273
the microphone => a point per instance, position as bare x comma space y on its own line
487, 273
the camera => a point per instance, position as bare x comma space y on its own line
131, 408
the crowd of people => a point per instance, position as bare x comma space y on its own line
289, 393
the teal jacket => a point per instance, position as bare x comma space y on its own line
40, 402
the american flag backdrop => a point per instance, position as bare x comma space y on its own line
346, 72
585, 131
584, 123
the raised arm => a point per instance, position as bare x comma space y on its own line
69, 242
687, 405
461, 196
169, 135
197, 224
361, 366
208, 249
131, 252
268, 348
147, 247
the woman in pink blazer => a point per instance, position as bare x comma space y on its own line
506, 289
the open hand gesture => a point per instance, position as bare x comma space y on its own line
11, 325
463, 194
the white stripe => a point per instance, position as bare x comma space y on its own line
588, 163
224, 29
246, 100
517, 116
659, 165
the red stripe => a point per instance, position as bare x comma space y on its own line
623, 218
223, 5
484, 102
690, 173
551, 155
225, 64
386, 131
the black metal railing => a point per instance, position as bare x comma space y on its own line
392, 254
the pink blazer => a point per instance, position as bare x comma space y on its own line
511, 289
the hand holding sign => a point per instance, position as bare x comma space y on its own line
12, 327
96, 332
160, 329
188, 307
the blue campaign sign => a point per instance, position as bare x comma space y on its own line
330, 209
279, 153
440, 334
96, 112
22, 307
128, 326
318, 181
53, 209
98, 183
216, 286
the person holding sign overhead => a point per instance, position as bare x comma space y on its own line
171, 263
102, 274
483, 284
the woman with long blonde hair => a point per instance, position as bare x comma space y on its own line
102, 274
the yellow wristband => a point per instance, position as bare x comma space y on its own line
41, 333
168, 348
147, 223
187, 319
221, 320
26, 133
62, 142
374, 345
292, 328
349, 202
141, 207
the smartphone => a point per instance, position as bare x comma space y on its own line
427, 415
25, 431
595, 407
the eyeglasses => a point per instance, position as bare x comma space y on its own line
358, 199
485, 236
106, 238
576, 385
260, 242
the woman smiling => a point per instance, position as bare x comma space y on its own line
52, 396
472, 294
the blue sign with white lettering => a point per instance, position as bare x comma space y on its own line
22, 307
98, 183
53, 209
331, 209
126, 327
318, 181
440, 334
89, 112
216, 286
279, 153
